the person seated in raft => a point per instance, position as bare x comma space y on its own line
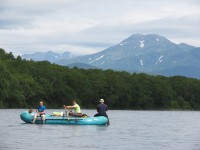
30, 111
40, 112
76, 107
101, 109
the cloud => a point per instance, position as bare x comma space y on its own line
89, 26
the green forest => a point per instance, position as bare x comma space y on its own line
24, 83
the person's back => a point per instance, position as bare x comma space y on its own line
77, 108
101, 109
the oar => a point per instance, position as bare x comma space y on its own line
67, 108
67, 112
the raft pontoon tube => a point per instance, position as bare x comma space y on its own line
67, 120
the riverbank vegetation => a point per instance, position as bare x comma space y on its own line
24, 83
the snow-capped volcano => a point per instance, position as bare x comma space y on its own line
150, 53
146, 53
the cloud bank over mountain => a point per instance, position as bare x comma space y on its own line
86, 27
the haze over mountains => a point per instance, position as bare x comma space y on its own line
152, 54
49, 56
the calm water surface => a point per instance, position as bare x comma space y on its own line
129, 130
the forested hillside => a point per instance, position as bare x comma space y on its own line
24, 83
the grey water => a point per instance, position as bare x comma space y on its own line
128, 130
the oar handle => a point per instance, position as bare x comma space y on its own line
67, 108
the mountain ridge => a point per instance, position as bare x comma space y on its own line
49, 56
152, 54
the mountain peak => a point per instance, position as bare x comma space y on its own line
143, 41
146, 37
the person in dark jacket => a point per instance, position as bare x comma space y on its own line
101, 109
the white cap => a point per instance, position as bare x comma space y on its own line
101, 101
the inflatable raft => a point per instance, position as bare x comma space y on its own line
66, 120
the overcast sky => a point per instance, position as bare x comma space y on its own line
88, 26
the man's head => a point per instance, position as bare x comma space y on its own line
41, 103
74, 102
101, 100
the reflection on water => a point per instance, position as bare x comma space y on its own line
134, 130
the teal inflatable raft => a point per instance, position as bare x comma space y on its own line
67, 120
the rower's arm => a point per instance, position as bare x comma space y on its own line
70, 107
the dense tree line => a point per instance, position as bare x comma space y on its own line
24, 83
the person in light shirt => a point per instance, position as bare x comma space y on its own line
75, 107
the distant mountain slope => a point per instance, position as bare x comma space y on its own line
49, 56
151, 53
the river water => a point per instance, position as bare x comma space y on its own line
128, 130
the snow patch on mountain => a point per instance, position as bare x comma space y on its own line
141, 62
123, 43
159, 59
142, 43
157, 40
100, 57
92, 61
